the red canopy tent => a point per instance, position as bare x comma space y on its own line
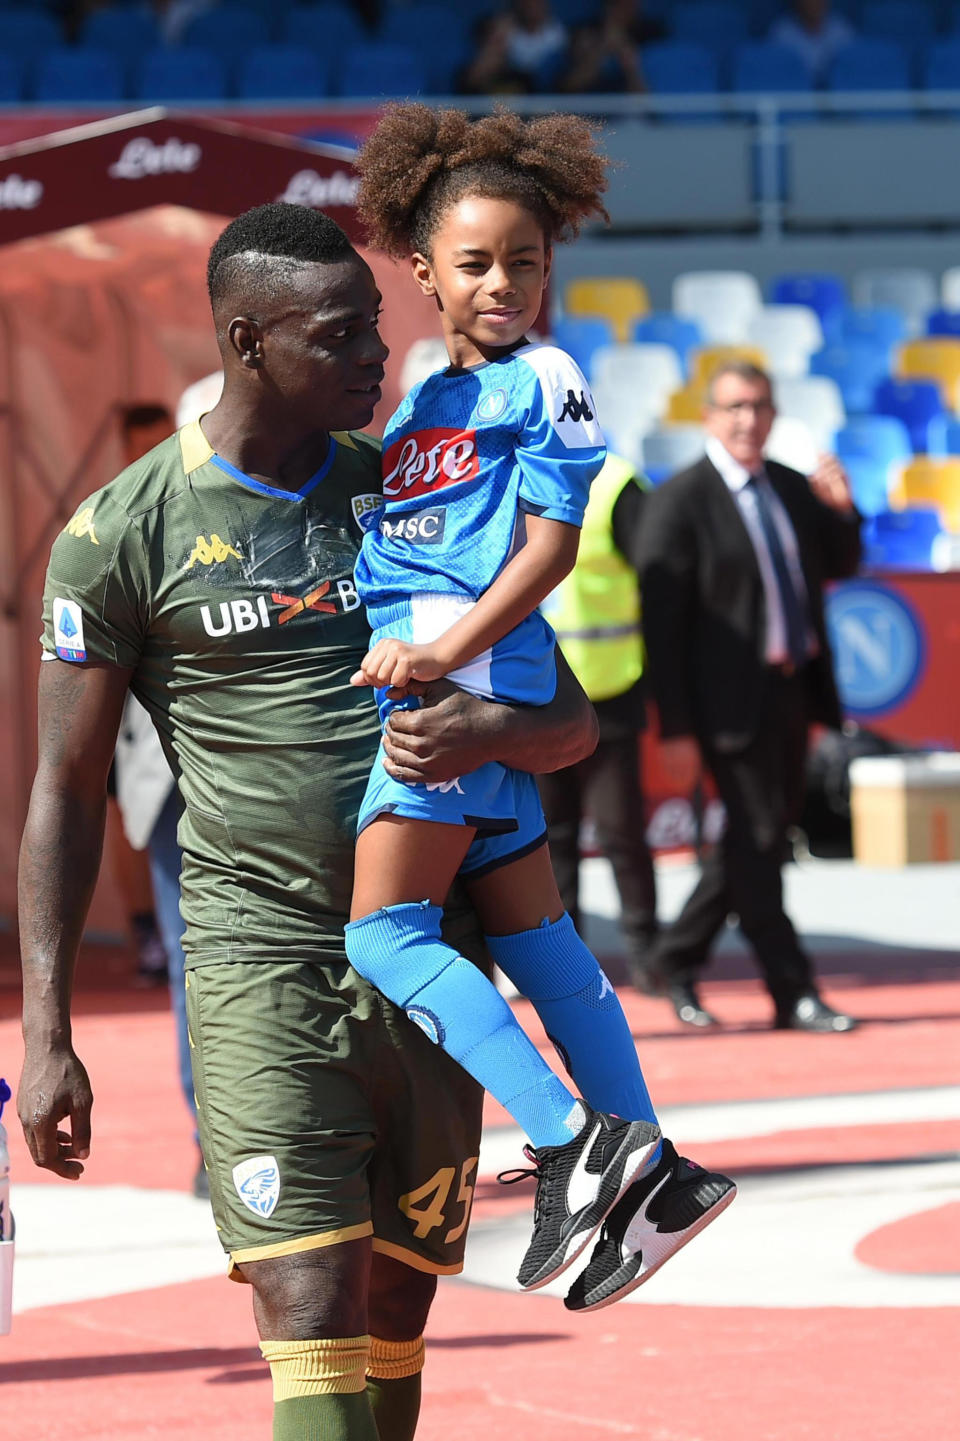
105, 231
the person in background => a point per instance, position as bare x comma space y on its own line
519, 49
735, 553
605, 52
595, 613
815, 34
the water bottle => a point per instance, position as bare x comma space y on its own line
6, 1222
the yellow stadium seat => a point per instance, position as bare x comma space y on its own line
686, 406
934, 358
708, 358
618, 298
930, 481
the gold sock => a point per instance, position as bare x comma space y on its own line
390, 1360
334, 1367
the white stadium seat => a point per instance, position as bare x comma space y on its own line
793, 443
950, 288
817, 401
648, 372
789, 334
910, 290
670, 448
723, 301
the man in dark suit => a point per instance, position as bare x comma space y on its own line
735, 553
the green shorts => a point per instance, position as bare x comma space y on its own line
325, 1115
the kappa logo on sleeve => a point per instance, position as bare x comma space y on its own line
68, 630
575, 408
82, 525
257, 1180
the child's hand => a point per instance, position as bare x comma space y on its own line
395, 663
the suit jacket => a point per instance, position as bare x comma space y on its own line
703, 602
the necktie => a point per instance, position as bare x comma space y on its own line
794, 609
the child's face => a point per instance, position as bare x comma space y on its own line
488, 268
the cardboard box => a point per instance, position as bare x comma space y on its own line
905, 809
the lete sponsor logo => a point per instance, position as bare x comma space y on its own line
307, 187
142, 157
427, 460
19, 194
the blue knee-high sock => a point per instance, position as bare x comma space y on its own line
580, 1013
399, 951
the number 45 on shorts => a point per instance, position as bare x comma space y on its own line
427, 1205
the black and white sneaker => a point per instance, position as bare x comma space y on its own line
657, 1216
577, 1185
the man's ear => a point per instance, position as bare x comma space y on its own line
246, 340
423, 273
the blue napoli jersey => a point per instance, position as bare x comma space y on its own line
467, 452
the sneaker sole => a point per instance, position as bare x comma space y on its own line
564, 1256
626, 1279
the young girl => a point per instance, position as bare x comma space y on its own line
486, 470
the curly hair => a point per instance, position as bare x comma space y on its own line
419, 162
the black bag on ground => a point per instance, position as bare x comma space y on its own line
826, 812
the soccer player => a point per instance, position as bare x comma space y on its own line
487, 466
214, 577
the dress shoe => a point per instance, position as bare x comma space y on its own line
810, 1013
646, 975
686, 1004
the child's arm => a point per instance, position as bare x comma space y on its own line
528, 578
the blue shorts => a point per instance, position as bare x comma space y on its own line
502, 805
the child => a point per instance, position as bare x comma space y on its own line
486, 471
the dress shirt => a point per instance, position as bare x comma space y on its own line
736, 479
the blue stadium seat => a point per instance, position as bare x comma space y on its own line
27, 31
868, 484
329, 28
880, 324
126, 31
915, 402
281, 72
713, 23
662, 327
943, 435
441, 35
581, 335
882, 439
824, 293
571, 12
943, 322
229, 29
189, 73
870, 65
375, 69
79, 73
12, 80
857, 368
761, 67
904, 21
940, 65
901, 538
672, 68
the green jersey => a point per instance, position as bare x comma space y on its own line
233, 605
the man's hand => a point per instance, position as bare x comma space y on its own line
395, 663
54, 1087
681, 761
830, 484
450, 734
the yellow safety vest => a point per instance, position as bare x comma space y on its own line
596, 610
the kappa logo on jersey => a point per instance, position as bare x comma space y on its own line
82, 525
428, 460
258, 1184
211, 552
366, 508
332, 597
424, 528
575, 408
68, 630
444, 787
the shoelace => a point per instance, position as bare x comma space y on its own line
521, 1173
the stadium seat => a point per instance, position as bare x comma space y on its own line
910, 290
943, 435
870, 64
915, 402
670, 448
788, 334
793, 443
762, 67
814, 399
934, 358
872, 324
422, 359
856, 368
906, 22
229, 29
440, 32
869, 485
933, 482
618, 298
943, 322
28, 31
281, 72
646, 374
826, 294
189, 73
707, 358
581, 335
902, 538
950, 288
881, 439
12, 80
128, 32
372, 69
662, 327
623, 425
940, 65
672, 68
79, 73
685, 406
328, 28
708, 22
723, 302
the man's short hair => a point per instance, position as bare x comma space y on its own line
743, 369
273, 233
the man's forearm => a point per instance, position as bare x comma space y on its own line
540, 739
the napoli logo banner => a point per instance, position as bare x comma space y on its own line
878, 645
